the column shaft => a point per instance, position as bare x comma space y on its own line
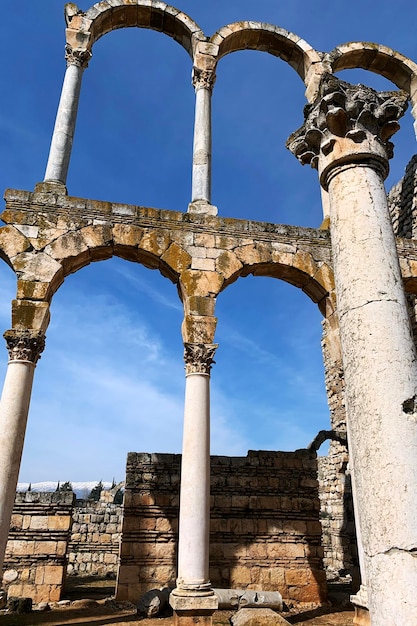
346, 136
61, 144
381, 386
14, 407
194, 523
193, 599
201, 181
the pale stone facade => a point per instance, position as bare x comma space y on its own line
357, 264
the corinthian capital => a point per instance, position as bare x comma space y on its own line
199, 357
78, 57
348, 120
203, 78
24, 345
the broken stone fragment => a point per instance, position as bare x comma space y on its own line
257, 617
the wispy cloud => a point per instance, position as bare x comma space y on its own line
142, 285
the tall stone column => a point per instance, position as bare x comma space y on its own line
24, 348
61, 144
203, 82
346, 137
193, 598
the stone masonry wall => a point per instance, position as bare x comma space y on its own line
337, 519
35, 561
95, 539
402, 202
265, 528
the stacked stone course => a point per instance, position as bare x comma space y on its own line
36, 553
337, 519
95, 539
265, 527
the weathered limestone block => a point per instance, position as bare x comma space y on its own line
199, 329
177, 259
253, 254
126, 235
28, 314
199, 283
33, 267
99, 239
13, 242
71, 250
257, 617
228, 264
200, 306
155, 242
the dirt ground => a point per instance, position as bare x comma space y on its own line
107, 616
100, 610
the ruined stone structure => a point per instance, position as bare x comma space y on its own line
94, 544
265, 531
36, 554
354, 270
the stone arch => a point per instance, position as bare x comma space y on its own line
277, 41
85, 28
376, 58
40, 273
297, 267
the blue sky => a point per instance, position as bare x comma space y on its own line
111, 379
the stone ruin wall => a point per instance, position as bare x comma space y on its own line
337, 521
265, 526
92, 543
95, 539
35, 562
402, 202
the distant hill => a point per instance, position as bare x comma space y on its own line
81, 489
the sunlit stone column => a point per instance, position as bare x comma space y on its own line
61, 144
24, 348
203, 81
193, 594
346, 136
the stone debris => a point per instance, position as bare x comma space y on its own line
257, 617
154, 602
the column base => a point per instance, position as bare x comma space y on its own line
362, 617
202, 207
51, 186
360, 602
190, 610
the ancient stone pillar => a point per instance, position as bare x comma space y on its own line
346, 137
194, 596
24, 348
203, 81
61, 144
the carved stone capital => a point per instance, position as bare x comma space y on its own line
24, 345
203, 78
199, 357
78, 57
348, 123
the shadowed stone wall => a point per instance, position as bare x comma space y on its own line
265, 528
